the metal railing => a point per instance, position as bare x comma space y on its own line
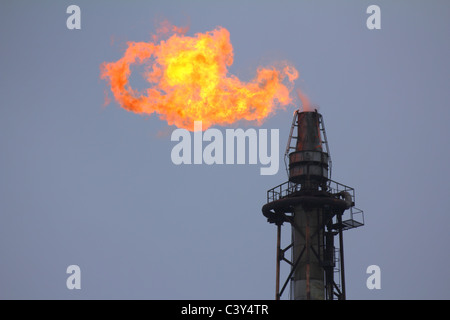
288, 188
354, 218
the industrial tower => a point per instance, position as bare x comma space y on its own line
318, 209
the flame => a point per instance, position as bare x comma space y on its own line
189, 81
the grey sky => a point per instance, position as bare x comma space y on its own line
90, 185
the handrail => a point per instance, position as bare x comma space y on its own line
287, 188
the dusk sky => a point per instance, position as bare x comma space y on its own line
88, 184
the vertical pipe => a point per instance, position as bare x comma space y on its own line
308, 132
308, 280
329, 261
277, 285
341, 253
308, 259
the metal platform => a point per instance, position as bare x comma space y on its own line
355, 219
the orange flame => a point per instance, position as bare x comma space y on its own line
189, 81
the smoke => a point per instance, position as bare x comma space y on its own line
305, 103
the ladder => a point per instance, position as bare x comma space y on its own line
325, 143
289, 147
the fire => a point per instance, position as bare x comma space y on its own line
189, 81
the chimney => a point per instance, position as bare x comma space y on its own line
314, 206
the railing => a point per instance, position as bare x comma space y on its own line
281, 191
355, 218
352, 218
287, 188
